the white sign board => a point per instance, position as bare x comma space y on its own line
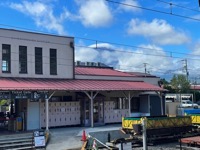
126, 146
39, 141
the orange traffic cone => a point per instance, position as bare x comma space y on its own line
84, 138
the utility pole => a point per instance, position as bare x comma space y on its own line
186, 68
145, 68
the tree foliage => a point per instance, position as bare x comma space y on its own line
2, 102
166, 85
180, 83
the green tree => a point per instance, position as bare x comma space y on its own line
180, 84
2, 102
166, 85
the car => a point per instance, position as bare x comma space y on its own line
198, 102
188, 103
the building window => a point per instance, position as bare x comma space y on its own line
38, 60
135, 104
53, 61
6, 62
120, 102
22, 59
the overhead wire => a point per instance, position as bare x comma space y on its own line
131, 52
107, 42
143, 47
180, 6
97, 48
153, 10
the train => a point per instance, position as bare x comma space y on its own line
162, 127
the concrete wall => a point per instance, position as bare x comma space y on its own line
65, 54
171, 108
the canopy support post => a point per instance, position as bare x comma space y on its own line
91, 96
129, 97
161, 101
47, 110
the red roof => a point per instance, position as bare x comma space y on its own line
195, 87
100, 72
74, 85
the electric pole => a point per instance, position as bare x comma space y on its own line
185, 67
145, 68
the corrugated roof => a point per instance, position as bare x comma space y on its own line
195, 87
100, 72
140, 74
74, 85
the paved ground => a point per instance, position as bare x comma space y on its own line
70, 138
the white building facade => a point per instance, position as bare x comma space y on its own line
38, 75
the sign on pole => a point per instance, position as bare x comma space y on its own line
39, 139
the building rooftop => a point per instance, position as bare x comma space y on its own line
95, 71
31, 84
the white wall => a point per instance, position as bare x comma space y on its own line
112, 115
33, 116
65, 54
60, 114
151, 80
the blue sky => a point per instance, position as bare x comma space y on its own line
152, 37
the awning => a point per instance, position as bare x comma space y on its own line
184, 96
30, 84
170, 96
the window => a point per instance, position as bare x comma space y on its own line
22, 59
38, 60
6, 62
53, 61
135, 104
120, 102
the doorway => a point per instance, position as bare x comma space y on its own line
98, 112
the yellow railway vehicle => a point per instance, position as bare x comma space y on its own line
195, 119
159, 126
158, 122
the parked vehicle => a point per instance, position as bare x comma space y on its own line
188, 103
198, 102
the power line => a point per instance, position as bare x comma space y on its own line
132, 52
133, 46
153, 10
107, 42
68, 45
96, 48
180, 6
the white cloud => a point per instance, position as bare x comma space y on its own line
95, 13
128, 6
127, 59
41, 13
158, 30
194, 60
86, 54
195, 17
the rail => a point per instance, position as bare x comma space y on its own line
89, 136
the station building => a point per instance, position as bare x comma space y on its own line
43, 85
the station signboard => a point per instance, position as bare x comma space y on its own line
36, 95
21, 94
33, 95
4, 95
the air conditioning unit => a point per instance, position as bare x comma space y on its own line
77, 63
